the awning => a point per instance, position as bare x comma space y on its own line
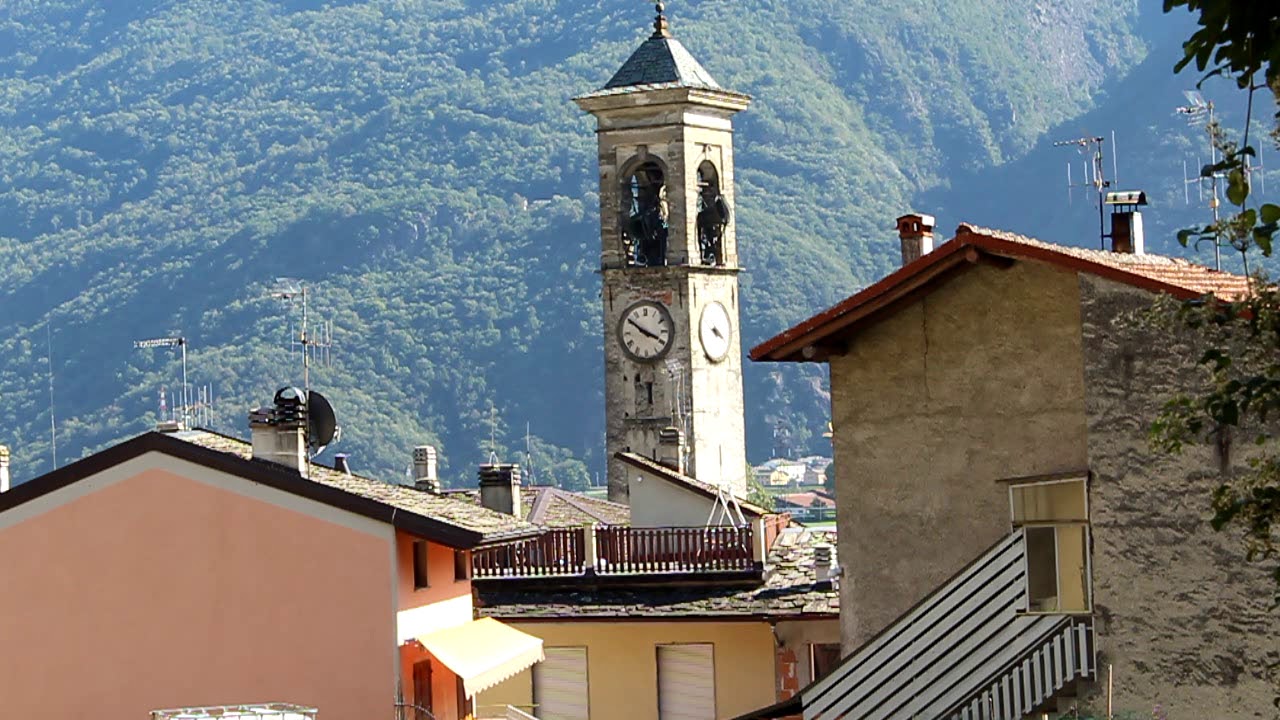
483, 652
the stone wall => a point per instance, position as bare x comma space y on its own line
1181, 618
977, 381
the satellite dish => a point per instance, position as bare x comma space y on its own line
322, 424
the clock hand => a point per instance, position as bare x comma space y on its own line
716, 331
643, 329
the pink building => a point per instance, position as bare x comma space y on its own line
175, 570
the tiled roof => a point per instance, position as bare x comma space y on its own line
807, 499
553, 507
1156, 273
1173, 271
662, 60
492, 525
789, 590
702, 488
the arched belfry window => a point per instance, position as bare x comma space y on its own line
713, 215
645, 215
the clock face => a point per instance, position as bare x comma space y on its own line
716, 331
645, 331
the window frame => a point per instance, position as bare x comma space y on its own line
1057, 525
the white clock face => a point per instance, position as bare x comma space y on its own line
716, 331
645, 331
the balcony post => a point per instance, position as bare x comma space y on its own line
589, 553
758, 549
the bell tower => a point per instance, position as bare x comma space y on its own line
669, 261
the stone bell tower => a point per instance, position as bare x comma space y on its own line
669, 261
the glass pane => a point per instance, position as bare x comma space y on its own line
1042, 571
1073, 595
1049, 502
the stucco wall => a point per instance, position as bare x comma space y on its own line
1180, 616
656, 502
139, 589
979, 380
445, 602
622, 665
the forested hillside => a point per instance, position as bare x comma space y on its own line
419, 165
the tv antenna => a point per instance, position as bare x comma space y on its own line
679, 417
184, 414
318, 345
1200, 113
1095, 175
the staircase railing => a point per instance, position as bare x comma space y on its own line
963, 639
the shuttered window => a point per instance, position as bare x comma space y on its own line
560, 684
686, 682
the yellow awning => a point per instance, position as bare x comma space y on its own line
483, 652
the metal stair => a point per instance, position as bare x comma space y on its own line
969, 651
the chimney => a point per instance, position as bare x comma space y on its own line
4, 469
424, 469
341, 464
822, 563
1126, 221
500, 488
279, 433
916, 233
671, 450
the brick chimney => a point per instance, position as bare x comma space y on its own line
424, 469
671, 449
500, 488
4, 468
279, 433
916, 233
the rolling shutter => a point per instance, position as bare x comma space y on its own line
686, 682
560, 684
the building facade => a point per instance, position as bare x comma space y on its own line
991, 403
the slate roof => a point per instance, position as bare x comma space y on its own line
1156, 273
789, 591
553, 507
662, 61
493, 526
702, 488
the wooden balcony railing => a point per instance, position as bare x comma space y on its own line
621, 551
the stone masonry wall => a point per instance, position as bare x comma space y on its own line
977, 381
1181, 618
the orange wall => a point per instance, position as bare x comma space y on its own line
441, 586
156, 591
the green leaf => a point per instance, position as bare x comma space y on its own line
1270, 213
1185, 237
1237, 187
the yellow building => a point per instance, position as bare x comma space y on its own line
670, 650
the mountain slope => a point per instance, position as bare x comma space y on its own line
418, 163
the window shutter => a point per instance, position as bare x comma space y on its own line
686, 682
560, 684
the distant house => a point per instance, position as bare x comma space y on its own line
1008, 532
807, 506
194, 569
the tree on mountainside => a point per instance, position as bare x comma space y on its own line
1238, 342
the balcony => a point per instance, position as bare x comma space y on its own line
622, 555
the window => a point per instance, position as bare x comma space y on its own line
420, 566
1054, 517
461, 565
560, 685
645, 215
824, 657
686, 682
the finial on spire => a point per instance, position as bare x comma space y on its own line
661, 28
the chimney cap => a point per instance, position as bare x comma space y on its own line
919, 220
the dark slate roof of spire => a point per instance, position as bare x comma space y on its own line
662, 61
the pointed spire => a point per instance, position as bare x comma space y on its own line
661, 28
